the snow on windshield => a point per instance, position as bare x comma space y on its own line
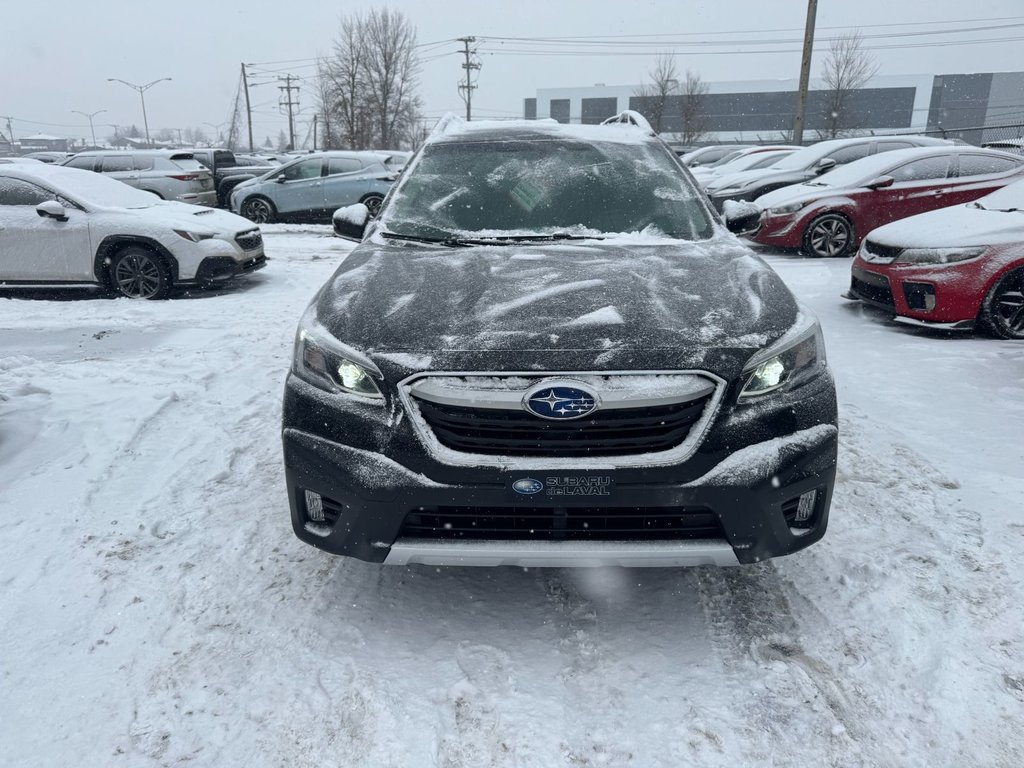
94, 188
529, 185
1010, 196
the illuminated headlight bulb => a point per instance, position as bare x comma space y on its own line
351, 375
768, 375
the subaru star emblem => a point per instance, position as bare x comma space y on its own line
527, 486
560, 401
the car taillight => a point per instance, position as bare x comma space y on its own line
186, 177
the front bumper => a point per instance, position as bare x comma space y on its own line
208, 198
219, 269
388, 500
947, 297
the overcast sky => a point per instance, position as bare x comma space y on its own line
56, 56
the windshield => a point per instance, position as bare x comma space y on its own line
97, 189
1009, 197
544, 187
804, 158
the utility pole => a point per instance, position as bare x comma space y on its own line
287, 89
10, 131
466, 88
314, 130
805, 72
90, 115
248, 106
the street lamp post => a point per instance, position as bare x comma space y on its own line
142, 95
90, 115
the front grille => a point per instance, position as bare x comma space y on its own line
563, 524
871, 287
886, 253
249, 241
612, 432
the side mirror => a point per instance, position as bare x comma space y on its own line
824, 165
880, 183
51, 209
281, 179
350, 221
742, 217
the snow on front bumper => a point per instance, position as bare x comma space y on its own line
736, 504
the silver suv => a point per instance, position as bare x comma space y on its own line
168, 175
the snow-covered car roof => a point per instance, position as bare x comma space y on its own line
454, 128
858, 171
84, 186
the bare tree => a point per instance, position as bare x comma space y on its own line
666, 86
368, 85
655, 96
695, 118
847, 68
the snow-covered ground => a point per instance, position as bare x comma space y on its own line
157, 610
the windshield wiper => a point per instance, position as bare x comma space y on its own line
997, 210
510, 239
452, 242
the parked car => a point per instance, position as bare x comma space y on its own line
744, 161
170, 175
313, 186
48, 157
500, 373
708, 155
229, 169
830, 216
25, 160
807, 163
69, 226
954, 268
1006, 145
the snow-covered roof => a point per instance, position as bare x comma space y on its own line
452, 126
43, 137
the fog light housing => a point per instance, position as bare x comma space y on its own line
314, 507
920, 296
805, 507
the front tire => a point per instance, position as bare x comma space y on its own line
1002, 312
138, 273
259, 210
828, 236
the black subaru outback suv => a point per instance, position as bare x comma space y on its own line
548, 351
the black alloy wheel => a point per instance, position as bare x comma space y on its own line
258, 210
828, 236
139, 274
1002, 312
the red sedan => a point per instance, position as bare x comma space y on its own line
953, 268
830, 215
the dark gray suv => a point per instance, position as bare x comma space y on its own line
546, 351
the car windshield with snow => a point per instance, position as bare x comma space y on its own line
548, 351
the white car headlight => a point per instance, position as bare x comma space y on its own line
784, 209
726, 190
323, 361
795, 358
939, 256
194, 237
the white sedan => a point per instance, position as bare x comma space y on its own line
62, 225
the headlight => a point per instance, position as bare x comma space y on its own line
784, 209
726, 190
327, 364
938, 255
795, 358
194, 237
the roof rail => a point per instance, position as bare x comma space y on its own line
629, 117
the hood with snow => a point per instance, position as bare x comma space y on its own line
595, 305
959, 226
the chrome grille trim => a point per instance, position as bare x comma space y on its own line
674, 455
